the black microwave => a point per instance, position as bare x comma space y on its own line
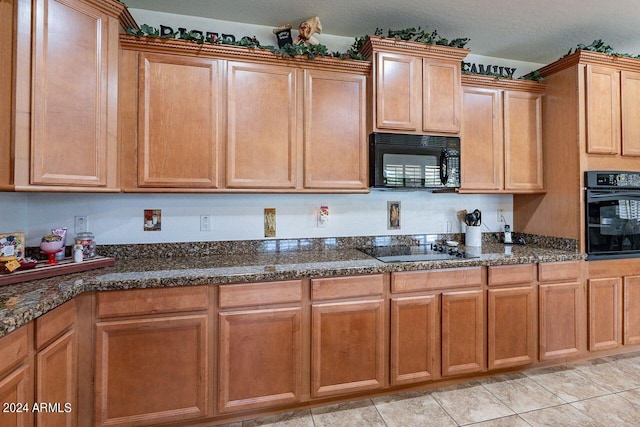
406, 161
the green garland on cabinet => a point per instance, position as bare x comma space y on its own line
311, 51
599, 46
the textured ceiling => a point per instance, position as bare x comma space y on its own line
538, 31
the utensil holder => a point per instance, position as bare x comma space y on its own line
473, 236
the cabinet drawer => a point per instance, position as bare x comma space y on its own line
346, 287
55, 323
411, 281
557, 271
510, 274
152, 301
13, 348
260, 293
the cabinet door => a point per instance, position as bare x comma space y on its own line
630, 113
631, 311
522, 141
347, 347
74, 133
16, 385
462, 332
559, 320
261, 126
15, 389
481, 157
178, 131
150, 371
414, 339
605, 313
441, 96
335, 139
398, 91
56, 381
511, 327
260, 358
603, 110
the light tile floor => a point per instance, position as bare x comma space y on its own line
599, 392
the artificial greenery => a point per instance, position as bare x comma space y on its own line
310, 51
422, 36
600, 47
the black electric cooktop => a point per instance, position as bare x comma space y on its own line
406, 253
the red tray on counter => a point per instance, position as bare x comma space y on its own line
66, 266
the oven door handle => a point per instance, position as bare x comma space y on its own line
612, 195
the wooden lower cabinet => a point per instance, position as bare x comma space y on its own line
151, 370
16, 379
605, 313
57, 366
511, 327
260, 358
415, 339
560, 307
631, 310
347, 347
462, 332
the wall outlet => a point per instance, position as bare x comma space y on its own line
80, 224
500, 215
205, 222
323, 216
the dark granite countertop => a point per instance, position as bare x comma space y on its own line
21, 303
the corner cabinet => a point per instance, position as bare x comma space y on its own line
65, 91
230, 119
416, 87
502, 134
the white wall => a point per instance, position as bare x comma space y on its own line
118, 218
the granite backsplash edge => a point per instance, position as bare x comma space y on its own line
208, 248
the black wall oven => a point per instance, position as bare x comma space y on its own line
612, 214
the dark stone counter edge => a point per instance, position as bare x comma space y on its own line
66, 288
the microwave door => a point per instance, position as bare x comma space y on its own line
410, 170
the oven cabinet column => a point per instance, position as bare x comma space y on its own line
511, 316
437, 324
259, 345
152, 356
561, 310
348, 335
614, 303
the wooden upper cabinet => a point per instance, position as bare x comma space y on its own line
178, 121
482, 151
261, 126
74, 136
417, 87
603, 110
522, 141
441, 95
335, 139
501, 136
630, 113
398, 91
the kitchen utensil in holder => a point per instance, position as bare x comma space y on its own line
473, 236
